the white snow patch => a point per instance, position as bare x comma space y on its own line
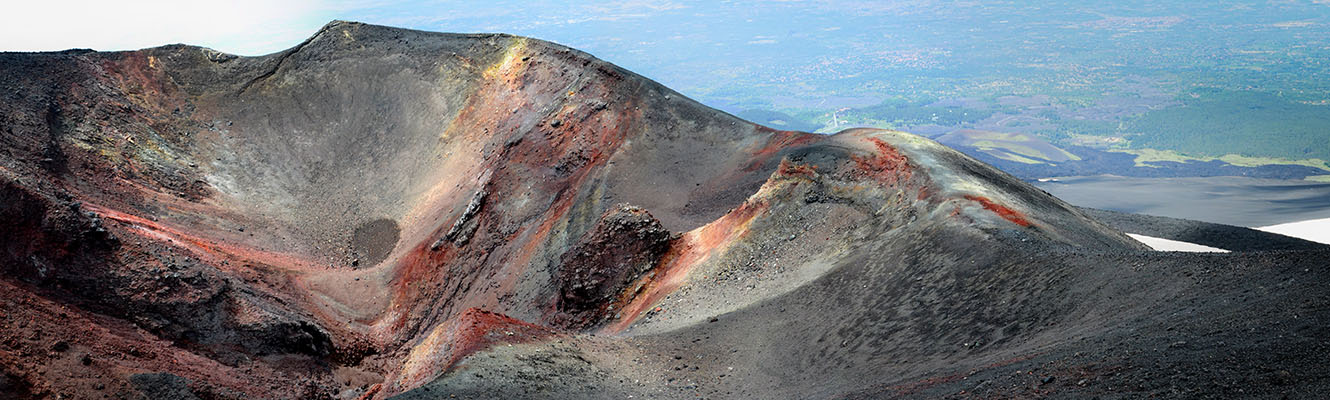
1162, 244
1316, 230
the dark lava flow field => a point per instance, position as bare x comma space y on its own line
383, 213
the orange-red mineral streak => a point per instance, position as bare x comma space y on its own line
685, 253
207, 249
448, 343
792, 169
886, 164
1006, 213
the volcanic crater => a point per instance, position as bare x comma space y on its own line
387, 213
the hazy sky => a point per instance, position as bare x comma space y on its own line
256, 27
248, 27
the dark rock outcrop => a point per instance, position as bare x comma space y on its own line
596, 271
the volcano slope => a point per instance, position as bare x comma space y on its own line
384, 213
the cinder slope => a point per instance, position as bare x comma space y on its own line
381, 212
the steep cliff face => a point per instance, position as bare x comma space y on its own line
381, 212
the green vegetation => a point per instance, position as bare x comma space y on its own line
1068, 128
1146, 156
901, 111
1250, 123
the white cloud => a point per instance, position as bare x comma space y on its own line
248, 27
